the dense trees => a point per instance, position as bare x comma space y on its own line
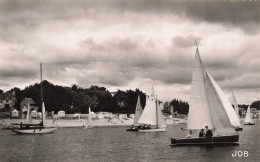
180, 106
256, 104
125, 101
76, 99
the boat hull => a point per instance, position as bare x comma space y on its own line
199, 141
132, 130
44, 130
152, 130
249, 123
238, 129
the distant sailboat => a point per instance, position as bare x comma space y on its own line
89, 124
138, 113
208, 107
29, 128
248, 119
152, 115
237, 127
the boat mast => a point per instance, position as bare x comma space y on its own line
156, 101
155, 98
41, 88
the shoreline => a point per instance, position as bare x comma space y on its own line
81, 123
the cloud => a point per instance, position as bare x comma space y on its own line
185, 42
130, 44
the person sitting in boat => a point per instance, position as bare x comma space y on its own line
208, 132
144, 127
190, 134
149, 127
41, 123
202, 133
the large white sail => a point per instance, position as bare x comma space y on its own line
219, 105
199, 113
149, 113
160, 118
138, 111
248, 118
43, 114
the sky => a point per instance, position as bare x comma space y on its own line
131, 44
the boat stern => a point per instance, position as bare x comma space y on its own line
173, 141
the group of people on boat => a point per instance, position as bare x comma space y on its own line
141, 127
202, 133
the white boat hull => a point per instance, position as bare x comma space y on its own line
152, 130
35, 131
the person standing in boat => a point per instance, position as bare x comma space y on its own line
202, 133
190, 134
208, 132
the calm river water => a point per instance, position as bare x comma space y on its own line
116, 144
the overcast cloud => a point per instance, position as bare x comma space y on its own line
131, 44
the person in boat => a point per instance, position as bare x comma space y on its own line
149, 127
41, 123
208, 132
202, 133
21, 124
133, 127
144, 127
190, 134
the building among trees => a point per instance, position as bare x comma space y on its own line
7, 101
24, 105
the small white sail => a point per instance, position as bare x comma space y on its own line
43, 114
248, 118
149, 113
138, 111
235, 104
161, 121
28, 116
161, 105
89, 117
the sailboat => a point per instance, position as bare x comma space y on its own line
248, 119
152, 116
138, 112
89, 124
41, 128
208, 107
238, 127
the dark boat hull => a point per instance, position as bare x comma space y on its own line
238, 129
200, 141
133, 130
249, 123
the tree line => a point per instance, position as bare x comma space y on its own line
76, 99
